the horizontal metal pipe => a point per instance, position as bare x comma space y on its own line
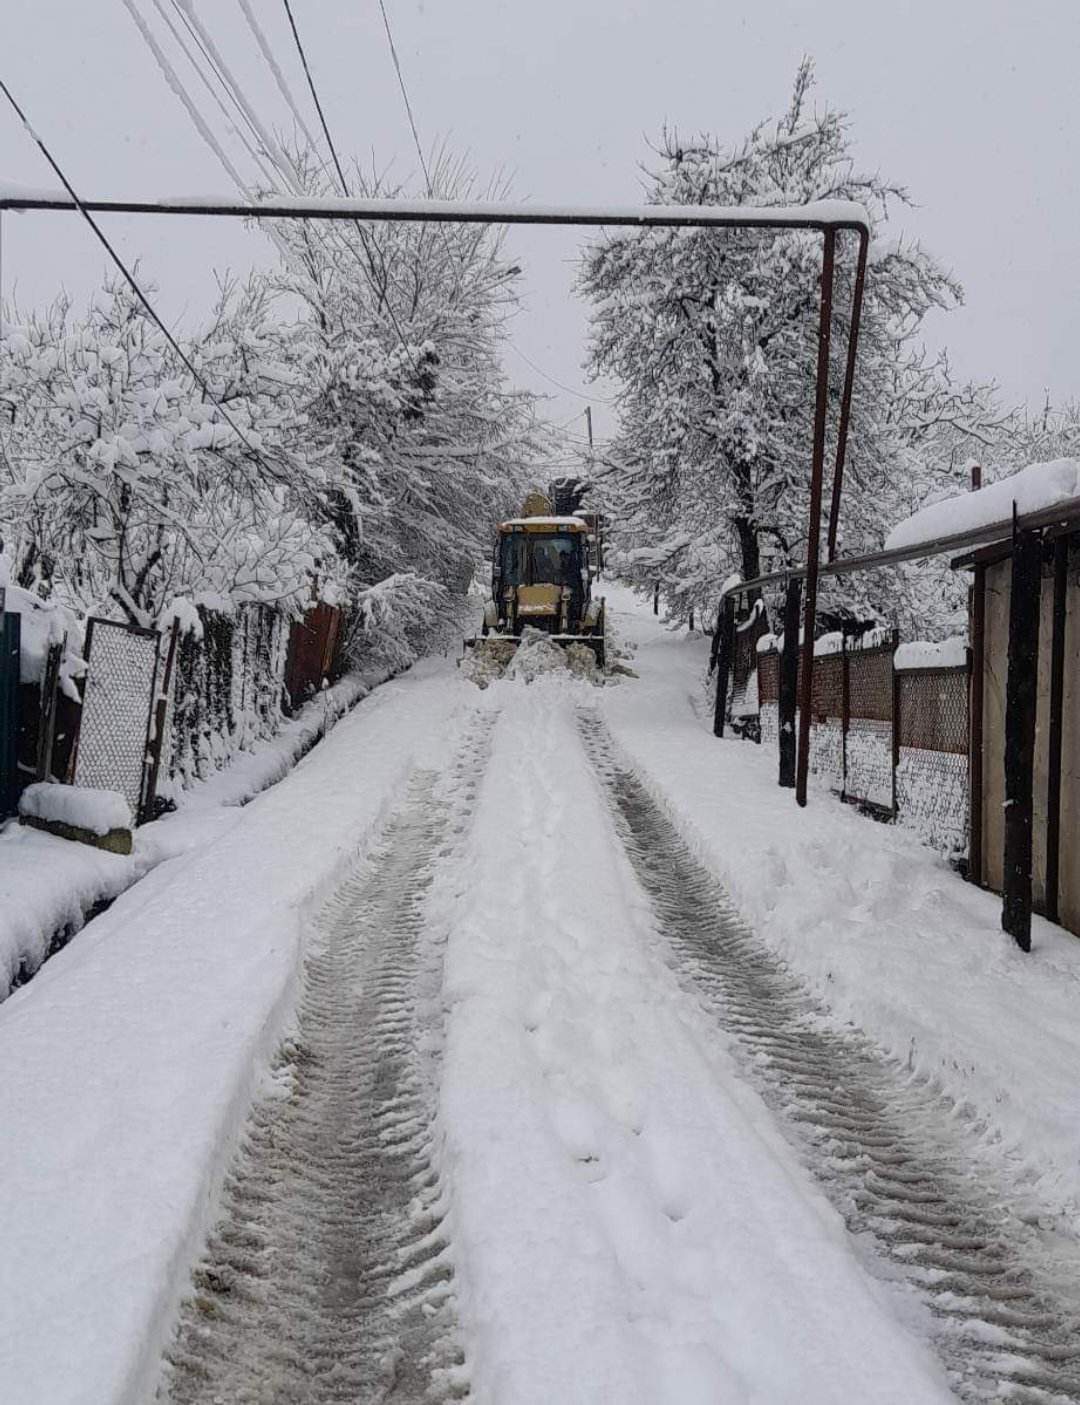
826, 214
939, 546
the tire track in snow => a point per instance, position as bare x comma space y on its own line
328, 1278
1007, 1321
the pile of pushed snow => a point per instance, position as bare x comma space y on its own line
1039, 486
950, 653
97, 811
535, 656
487, 661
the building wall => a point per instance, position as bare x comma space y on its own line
994, 676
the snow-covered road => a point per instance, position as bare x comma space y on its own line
545, 1122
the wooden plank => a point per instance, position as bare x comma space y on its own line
1021, 693
1056, 729
975, 715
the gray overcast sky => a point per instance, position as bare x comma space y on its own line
971, 103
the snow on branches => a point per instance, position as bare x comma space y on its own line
713, 338
348, 433
123, 485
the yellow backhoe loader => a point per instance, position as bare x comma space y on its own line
541, 576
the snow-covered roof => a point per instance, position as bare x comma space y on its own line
573, 524
1039, 486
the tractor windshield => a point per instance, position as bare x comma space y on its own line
552, 559
536, 558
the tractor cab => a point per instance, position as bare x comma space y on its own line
540, 573
541, 576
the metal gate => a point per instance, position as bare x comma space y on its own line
118, 708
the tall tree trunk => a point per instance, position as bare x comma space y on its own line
749, 553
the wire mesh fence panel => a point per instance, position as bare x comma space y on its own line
770, 724
122, 666
934, 709
769, 676
827, 751
869, 746
932, 775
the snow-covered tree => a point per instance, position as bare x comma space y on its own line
712, 336
123, 485
399, 345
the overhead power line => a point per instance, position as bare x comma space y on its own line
173, 80
590, 399
130, 279
384, 299
405, 95
275, 69
315, 98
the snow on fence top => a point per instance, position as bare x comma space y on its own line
816, 214
1039, 486
98, 811
950, 653
829, 643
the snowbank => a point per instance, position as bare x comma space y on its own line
98, 811
49, 886
1040, 485
891, 938
130, 1059
627, 1222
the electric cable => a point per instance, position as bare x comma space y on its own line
129, 278
384, 299
315, 99
275, 68
215, 95
405, 95
597, 399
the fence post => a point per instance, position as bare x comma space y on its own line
723, 664
789, 684
897, 694
1057, 698
975, 721
160, 714
1020, 701
845, 711
50, 682
656, 598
